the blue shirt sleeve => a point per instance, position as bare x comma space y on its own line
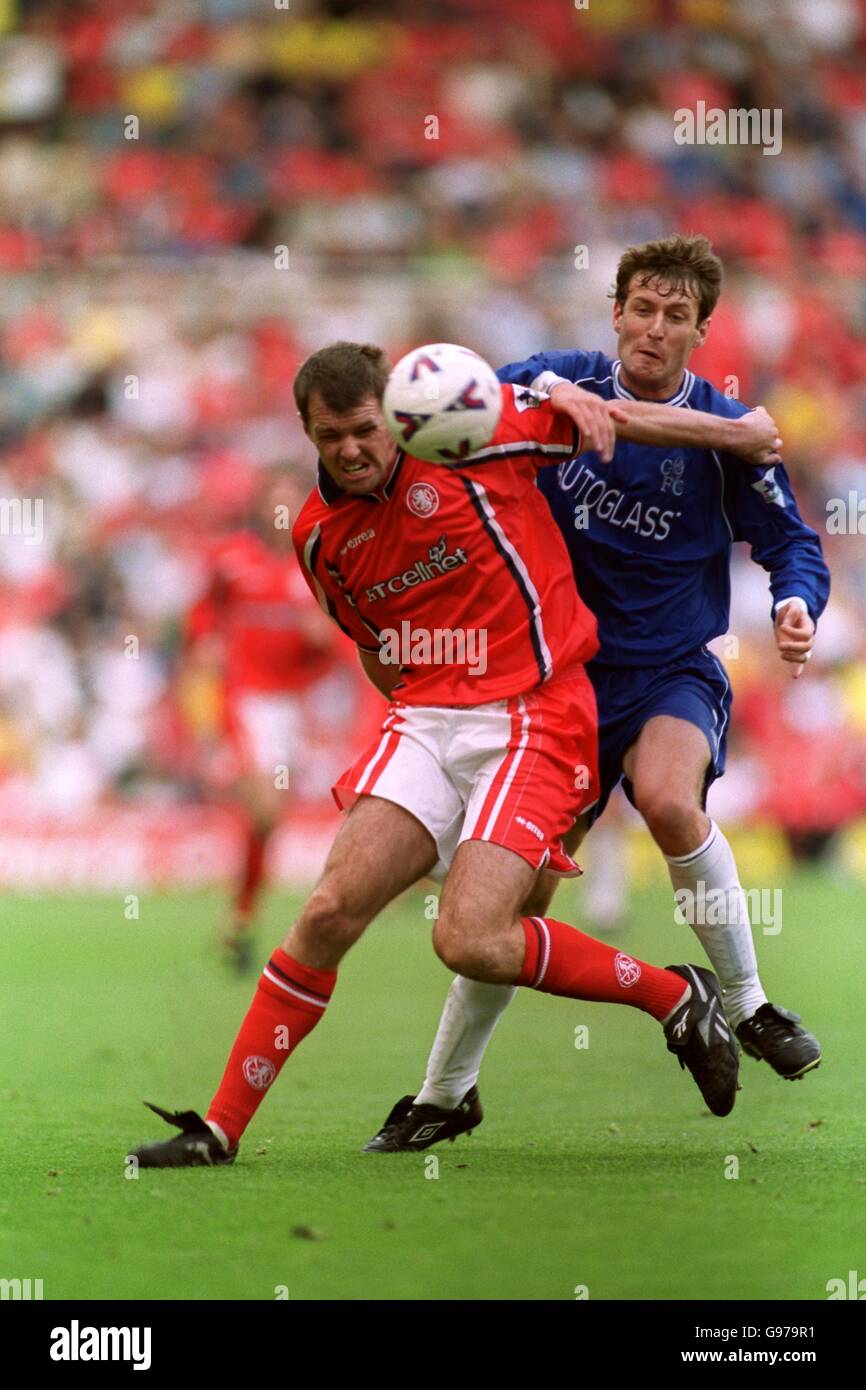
572, 366
762, 510
764, 513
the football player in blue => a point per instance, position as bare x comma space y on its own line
650, 533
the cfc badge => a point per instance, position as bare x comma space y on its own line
672, 471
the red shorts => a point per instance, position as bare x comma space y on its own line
515, 772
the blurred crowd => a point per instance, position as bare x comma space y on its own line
194, 194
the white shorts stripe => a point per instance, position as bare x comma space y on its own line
509, 778
370, 770
724, 675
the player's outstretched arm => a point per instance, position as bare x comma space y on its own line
752, 437
764, 513
591, 414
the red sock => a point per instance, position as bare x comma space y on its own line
562, 960
288, 1003
253, 870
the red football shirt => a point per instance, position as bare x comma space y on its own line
448, 563
257, 599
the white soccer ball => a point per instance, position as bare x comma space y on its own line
442, 403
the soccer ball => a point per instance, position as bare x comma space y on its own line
442, 402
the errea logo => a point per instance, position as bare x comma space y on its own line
359, 539
531, 827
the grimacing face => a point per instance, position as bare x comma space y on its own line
657, 330
355, 446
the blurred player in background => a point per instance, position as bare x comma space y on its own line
259, 633
649, 534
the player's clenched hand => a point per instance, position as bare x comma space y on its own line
591, 415
756, 438
795, 636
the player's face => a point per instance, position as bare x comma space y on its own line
355, 446
657, 328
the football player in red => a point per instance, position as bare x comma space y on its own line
257, 627
456, 586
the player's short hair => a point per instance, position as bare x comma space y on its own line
343, 374
686, 263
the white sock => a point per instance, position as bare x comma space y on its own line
707, 885
220, 1134
472, 1011
604, 891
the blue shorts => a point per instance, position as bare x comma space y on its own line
694, 687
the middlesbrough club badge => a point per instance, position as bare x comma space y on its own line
259, 1072
627, 970
422, 499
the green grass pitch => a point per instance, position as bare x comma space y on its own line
595, 1167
